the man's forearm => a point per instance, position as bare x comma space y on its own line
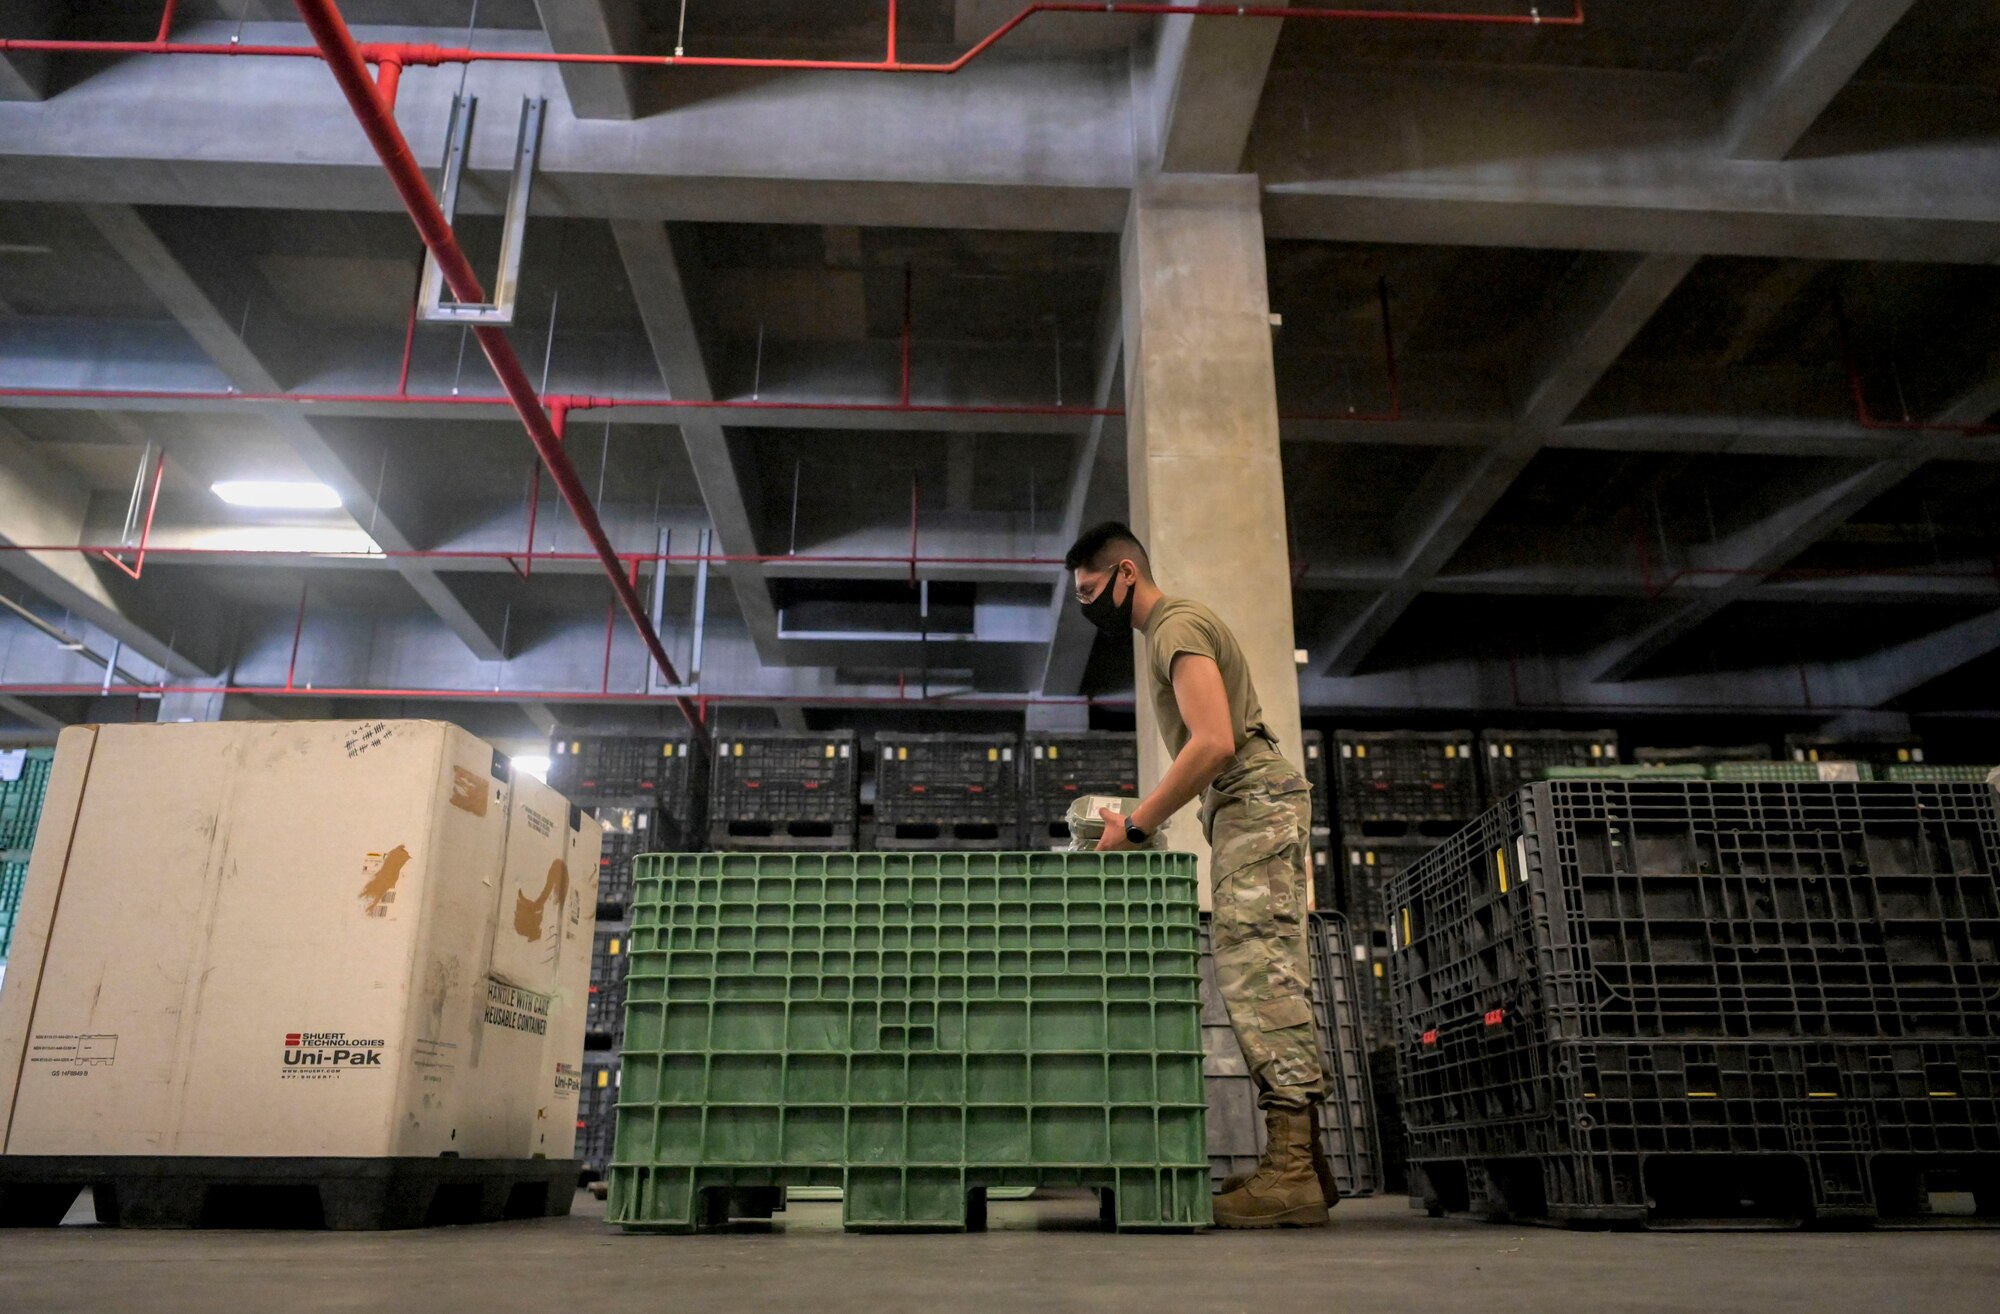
1191, 771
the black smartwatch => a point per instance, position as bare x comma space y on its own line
1133, 835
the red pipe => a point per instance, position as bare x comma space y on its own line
1862, 415
579, 403
167, 22
433, 55
1654, 588
388, 77
138, 567
298, 632
350, 70
527, 569
410, 336
471, 554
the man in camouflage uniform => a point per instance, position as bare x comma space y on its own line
1256, 813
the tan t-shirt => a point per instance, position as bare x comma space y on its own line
1178, 626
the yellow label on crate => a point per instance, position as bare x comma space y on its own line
829, 750
992, 755
902, 755
1361, 750
1500, 862
666, 750
1450, 751
1378, 969
1597, 750
1507, 750
603, 1078
1406, 927
739, 750
614, 949
1054, 752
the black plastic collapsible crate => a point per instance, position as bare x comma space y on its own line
1404, 783
784, 791
1700, 755
1882, 751
1509, 759
668, 769
1730, 929
628, 832
1347, 1128
947, 791
1663, 1132
610, 950
1313, 748
597, 1114
1057, 768
1362, 874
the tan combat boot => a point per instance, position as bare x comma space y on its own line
1329, 1189
1285, 1190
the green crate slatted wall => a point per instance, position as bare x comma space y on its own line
909, 1027
13, 875
21, 799
20, 812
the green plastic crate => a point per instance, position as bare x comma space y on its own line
13, 876
914, 1029
1791, 771
1923, 773
21, 799
1672, 771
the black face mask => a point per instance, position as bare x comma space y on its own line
1113, 618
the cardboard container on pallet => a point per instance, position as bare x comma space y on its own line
332, 941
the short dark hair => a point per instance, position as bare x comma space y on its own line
1101, 545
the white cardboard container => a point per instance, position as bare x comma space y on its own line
298, 939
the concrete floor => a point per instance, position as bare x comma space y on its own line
1041, 1256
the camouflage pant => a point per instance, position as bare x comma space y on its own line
1258, 830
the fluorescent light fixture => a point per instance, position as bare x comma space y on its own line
277, 495
537, 766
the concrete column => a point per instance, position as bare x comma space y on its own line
1202, 436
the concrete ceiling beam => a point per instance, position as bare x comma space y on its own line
147, 252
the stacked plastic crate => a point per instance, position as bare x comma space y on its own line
1701, 755
1397, 792
597, 1114
1313, 750
1509, 759
784, 792
946, 793
24, 780
1878, 751
1659, 1001
665, 775
1059, 767
1347, 1128
914, 1029
648, 792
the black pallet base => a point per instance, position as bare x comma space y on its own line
341, 1195
1716, 1192
721, 841
944, 839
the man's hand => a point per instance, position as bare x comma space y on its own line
1113, 840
